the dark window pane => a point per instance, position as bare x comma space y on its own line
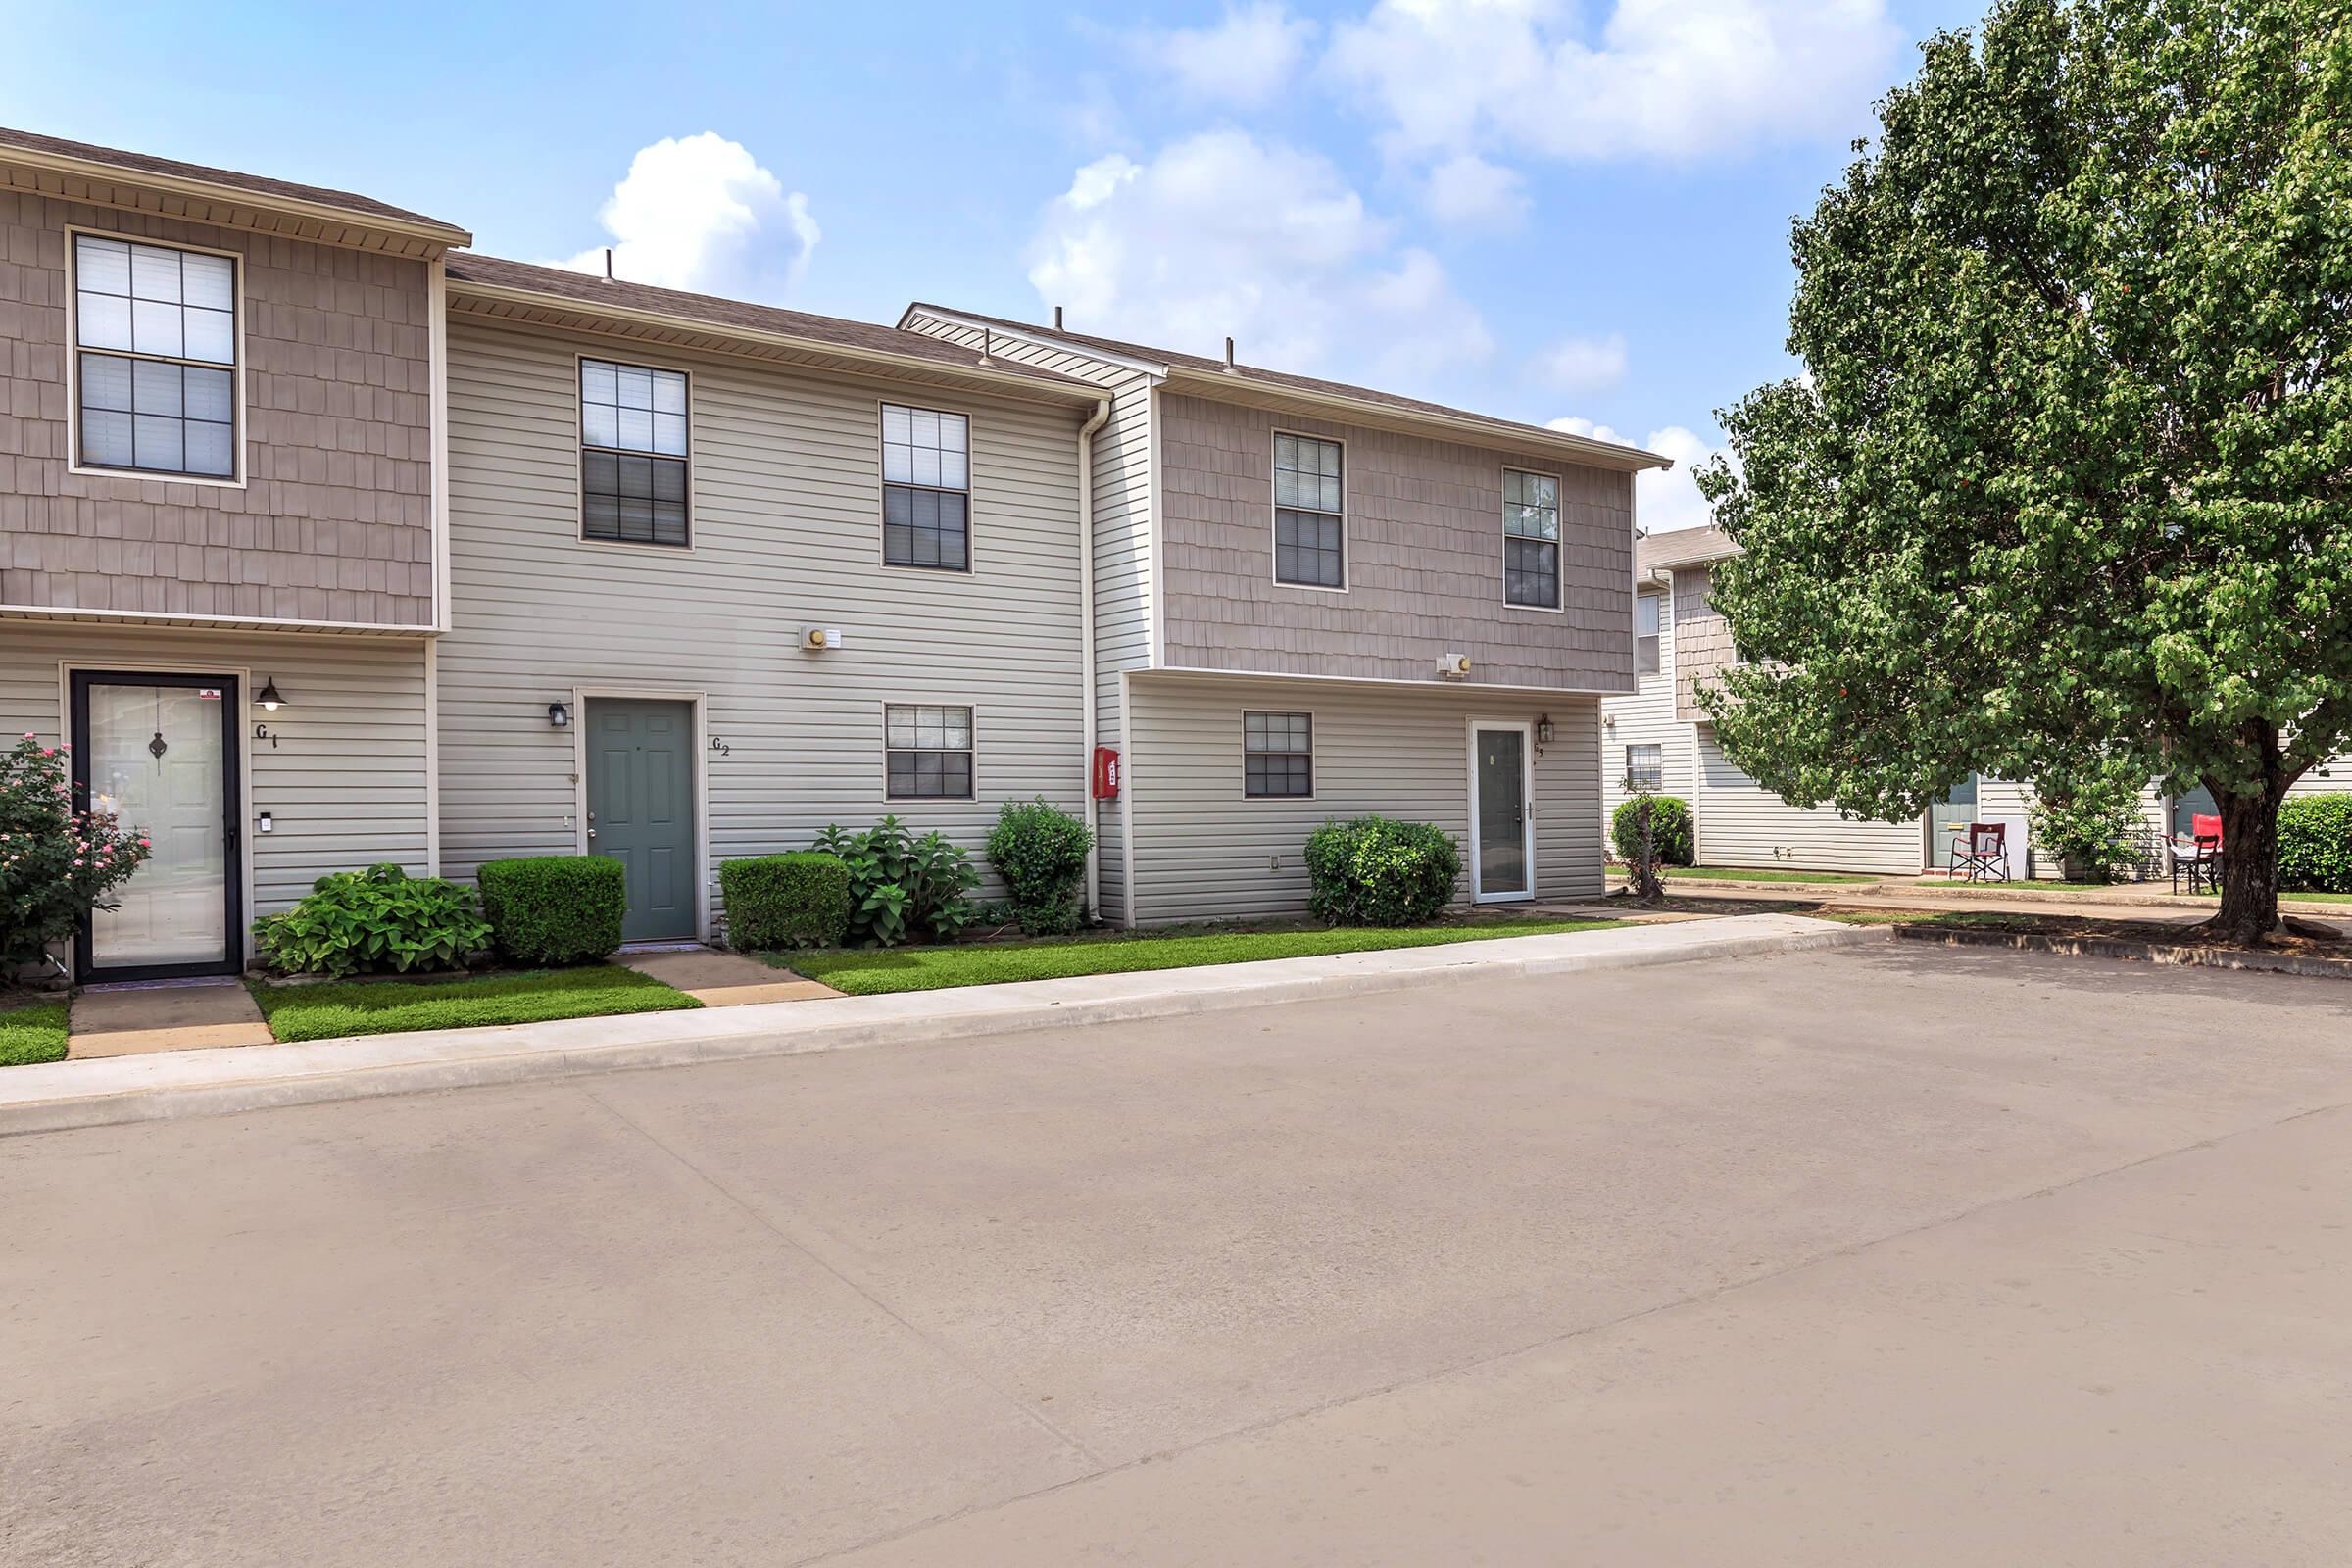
924, 528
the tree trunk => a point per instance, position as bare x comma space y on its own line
2249, 868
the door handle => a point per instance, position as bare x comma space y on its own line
592, 832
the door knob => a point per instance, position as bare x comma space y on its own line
592, 832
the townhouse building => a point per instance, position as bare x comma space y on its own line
329, 541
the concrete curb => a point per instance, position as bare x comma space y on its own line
1962, 898
109, 1091
2183, 954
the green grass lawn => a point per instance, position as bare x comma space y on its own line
36, 1033
868, 973
1735, 874
395, 1007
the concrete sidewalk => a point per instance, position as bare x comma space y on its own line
183, 1083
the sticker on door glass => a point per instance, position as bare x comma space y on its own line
207, 694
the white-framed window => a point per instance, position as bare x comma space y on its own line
1646, 765
1278, 755
1310, 519
155, 344
926, 489
1531, 540
633, 454
928, 753
1647, 611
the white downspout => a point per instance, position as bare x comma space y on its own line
1086, 658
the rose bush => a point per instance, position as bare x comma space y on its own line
56, 863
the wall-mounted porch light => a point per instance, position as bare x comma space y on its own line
559, 714
270, 696
1543, 730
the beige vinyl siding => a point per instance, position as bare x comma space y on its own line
1647, 718
1122, 525
786, 528
1424, 559
1206, 852
345, 784
1742, 824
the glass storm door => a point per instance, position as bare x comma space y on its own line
159, 751
1502, 810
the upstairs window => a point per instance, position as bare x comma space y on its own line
1310, 526
1646, 768
1531, 540
927, 752
1645, 632
632, 454
1278, 755
926, 489
155, 340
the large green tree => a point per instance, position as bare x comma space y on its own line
2067, 482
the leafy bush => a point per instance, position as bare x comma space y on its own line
2087, 819
1670, 832
56, 863
1040, 851
799, 900
376, 922
555, 908
2315, 843
902, 887
1374, 871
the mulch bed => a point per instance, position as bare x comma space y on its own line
2309, 947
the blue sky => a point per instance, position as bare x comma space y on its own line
1540, 210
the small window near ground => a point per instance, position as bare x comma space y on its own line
1646, 767
1531, 540
1645, 632
155, 337
928, 754
1278, 755
926, 489
1310, 526
632, 454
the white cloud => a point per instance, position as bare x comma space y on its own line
1245, 58
1673, 80
1221, 233
1663, 500
1467, 191
700, 213
1584, 364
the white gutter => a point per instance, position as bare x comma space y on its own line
1085, 645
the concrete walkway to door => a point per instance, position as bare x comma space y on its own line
720, 979
178, 1015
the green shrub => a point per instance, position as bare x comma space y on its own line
1374, 871
1669, 831
555, 909
56, 863
901, 887
799, 900
2315, 843
2087, 819
376, 922
1040, 851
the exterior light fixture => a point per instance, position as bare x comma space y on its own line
559, 714
1543, 730
270, 696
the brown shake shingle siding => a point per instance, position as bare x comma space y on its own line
334, 522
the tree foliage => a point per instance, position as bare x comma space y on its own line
2068, 476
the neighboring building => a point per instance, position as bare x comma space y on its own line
1315, 600
1661, 733
221, 406
540, 563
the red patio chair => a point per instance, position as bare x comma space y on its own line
2201, 857
1982, 855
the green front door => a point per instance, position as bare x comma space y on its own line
641, 809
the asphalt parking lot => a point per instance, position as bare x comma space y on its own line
1865, 1256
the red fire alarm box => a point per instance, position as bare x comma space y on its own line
1107, 773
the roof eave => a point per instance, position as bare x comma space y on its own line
215, 203
1041, 336
1032, 387
1240, 387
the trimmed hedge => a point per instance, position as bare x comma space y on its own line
1371, 870
796, 900
555, 909
1040, 851
1669, 831
2315, 844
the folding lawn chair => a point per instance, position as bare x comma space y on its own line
1982, 854
2199, 856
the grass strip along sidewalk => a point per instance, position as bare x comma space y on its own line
876, 971
33, 1034
393, 1006
1735, 874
